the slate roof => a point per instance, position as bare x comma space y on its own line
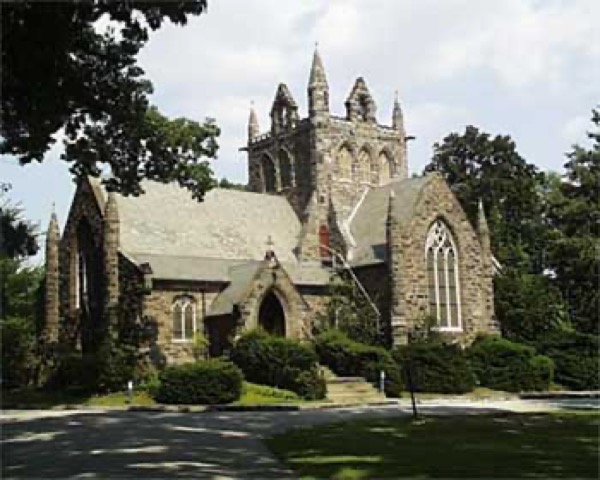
169, 267
368, 224
183, 239
228, 224
241, 278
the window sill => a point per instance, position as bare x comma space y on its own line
448, 329
184, 341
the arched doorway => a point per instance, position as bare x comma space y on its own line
271, 316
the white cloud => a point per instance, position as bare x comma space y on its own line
575, 129
529, 68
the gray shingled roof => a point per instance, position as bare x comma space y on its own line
228, 224
368, 225
169, 267
183, 239
241, 279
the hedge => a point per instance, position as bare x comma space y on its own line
435, 367
504, 365
576, 358
279, 362
204, 382
346, 357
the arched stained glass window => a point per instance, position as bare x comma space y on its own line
184, 319
443, 277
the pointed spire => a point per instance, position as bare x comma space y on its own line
52, 278
317, 71
318, 91
397, 116
253, 128
53, 229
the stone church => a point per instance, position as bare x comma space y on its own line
324, 193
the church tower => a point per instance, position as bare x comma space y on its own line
325, 164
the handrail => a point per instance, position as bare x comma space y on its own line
356, 281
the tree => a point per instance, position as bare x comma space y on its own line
18, 237
20, 296
529, 307
226, 184
573, 213
61, 73
477, 167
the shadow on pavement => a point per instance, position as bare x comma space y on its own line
163, 445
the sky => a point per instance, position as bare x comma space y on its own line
525, 68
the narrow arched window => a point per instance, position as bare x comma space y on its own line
285, 167
344, 163
387, 168
364, 166
268, 174
443, 277
184, 319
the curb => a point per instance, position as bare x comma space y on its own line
559, 395
206, 408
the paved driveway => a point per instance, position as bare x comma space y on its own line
87, 444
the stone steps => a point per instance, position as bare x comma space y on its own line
351, 390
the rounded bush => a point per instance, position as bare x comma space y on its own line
504, 365
277, 362
435, 367
310, 385
576, 358
205, 382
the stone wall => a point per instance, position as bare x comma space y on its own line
158, 306
274, 278
85, 206
409, 270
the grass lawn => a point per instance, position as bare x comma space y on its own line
502, 446
252, 394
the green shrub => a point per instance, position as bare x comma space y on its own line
277, 362
310, 385
393, 383
504, 365
150, 383
18, 359
111, 367
205, 382
542, 373
435, 367
345, 357
576, 358
68, 371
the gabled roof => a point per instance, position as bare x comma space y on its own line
228, 224
369, 223
186, 240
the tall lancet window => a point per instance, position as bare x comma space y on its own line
184, 319
443, 277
